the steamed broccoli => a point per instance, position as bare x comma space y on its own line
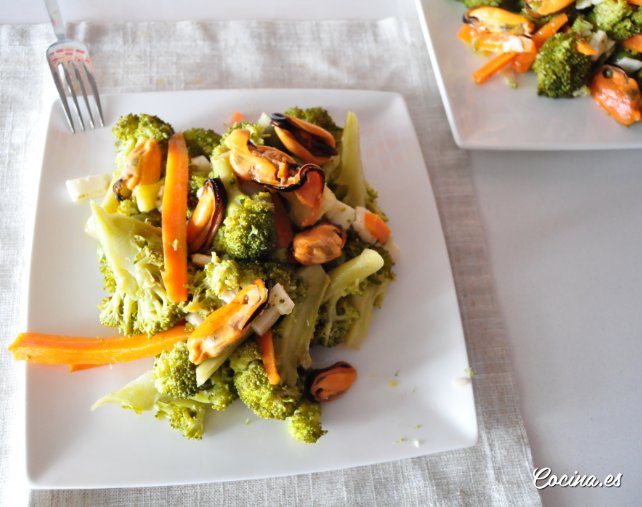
186, 416
264, 399
140, 395
174, 374
561, 69
201, 141
248, 231
349, 182
305, 424
292, 336
130, 128
319, 116
219, 391
338, 313
132, 267
617, 18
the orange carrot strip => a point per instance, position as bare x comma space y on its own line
634, 43
585, 48
79, 367
266, 344
44, 348
468, 33
283, 225
376, 226
174, 219
523, 62
493, 66
635, 2
236, 118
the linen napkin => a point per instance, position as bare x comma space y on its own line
387, 54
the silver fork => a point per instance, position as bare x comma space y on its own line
71, 70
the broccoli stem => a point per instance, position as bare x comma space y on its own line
365, 304
297, 329
345, 278
221, 168
351, 180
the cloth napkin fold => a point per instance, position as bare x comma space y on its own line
388, 54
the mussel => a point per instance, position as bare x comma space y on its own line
309, 142
319, 244
142, 166
331, 382
618, 94
225, 327
207, 216
497, 20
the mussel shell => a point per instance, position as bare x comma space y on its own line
329, 383
308, 250
204, 239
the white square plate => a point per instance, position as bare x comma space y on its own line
416, 339
495, 116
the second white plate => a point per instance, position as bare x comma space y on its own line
495, 116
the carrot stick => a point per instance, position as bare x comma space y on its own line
236, 118
493, 66
585, 48
376, 226
174, 219
635, 2
283, 225
634, 43
523, 62
266, 344
44, 348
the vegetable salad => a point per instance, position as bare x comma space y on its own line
575, 48
227, 258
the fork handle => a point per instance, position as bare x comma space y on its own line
56, 18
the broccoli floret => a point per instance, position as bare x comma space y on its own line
248, 231
305, 424
186, 416
141, 395
561, 69
201, 141
132, 267
174, 374
219, 391
257, 134
338, 310
264, 399
130, 128
319, 116
617, 18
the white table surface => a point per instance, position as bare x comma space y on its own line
565, 245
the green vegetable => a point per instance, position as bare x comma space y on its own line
140, 395
305, 424
174, 374
201, 141
617, 18
132, 266
130, 128
248, 231
219, 391
338, 314
350, 184
264, 399
561, 69
292, 336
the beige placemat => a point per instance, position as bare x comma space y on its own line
388, 54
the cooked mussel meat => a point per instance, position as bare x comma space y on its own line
330, 383
618, 94
142, 166
207, 216
319, 244
497, 20
309, 142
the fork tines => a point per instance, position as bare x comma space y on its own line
72, 78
